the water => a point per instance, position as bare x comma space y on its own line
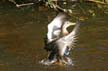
21, 42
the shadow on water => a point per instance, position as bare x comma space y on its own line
21, 42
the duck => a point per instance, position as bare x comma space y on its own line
59, 41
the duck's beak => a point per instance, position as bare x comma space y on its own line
71, 23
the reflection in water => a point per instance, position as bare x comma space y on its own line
21, 42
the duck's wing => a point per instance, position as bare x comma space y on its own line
54, 28
71, 38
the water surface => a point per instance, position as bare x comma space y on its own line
21, 42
